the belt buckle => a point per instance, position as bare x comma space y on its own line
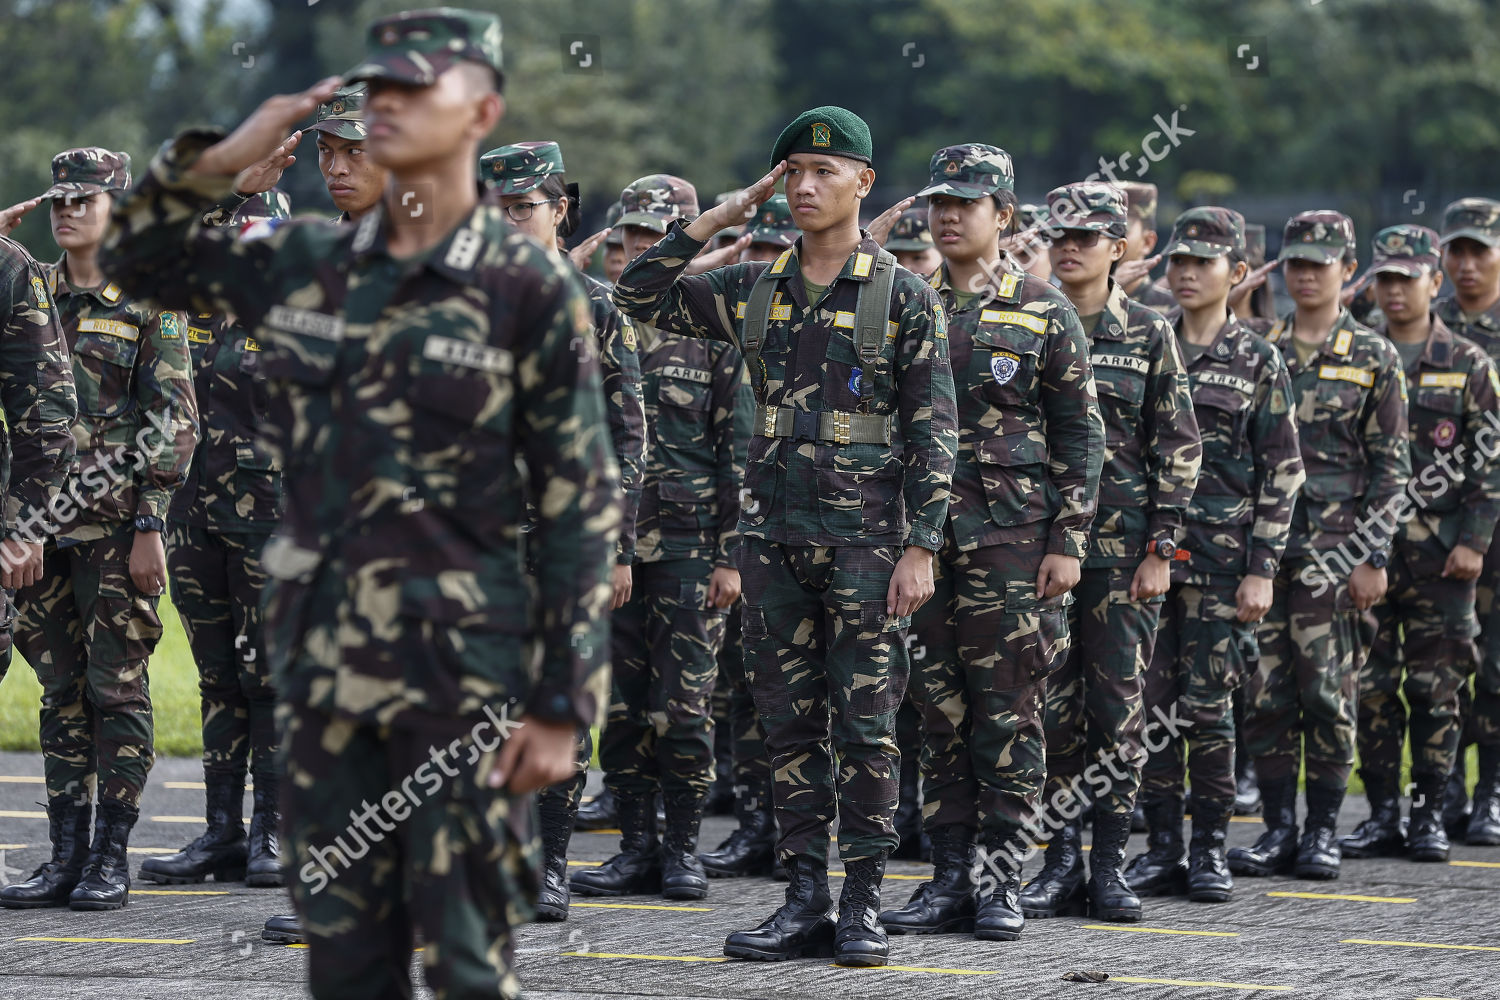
770, 428
804, 425
841, 423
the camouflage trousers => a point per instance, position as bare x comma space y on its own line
88, 632
7, 627
982, 650
1202, 655
1426, 625
567, 795
828, 669
391, 833
1095, 713
216, 586
1480, 703
1299, 702
664, 643
747, 740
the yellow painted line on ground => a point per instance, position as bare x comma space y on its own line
1196, 982
1157, 930
908, 878
646, 906
920, 968
12, 847
177, 892
644, 958
1245, 819
609, 833
178, 819
1334, 895
21, 814
84, 940
20, 779
1422, 944
1475, 864
153, 850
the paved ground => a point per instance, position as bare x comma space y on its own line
1387, 929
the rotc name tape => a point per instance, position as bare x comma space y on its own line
1347, 373
110, 327
687, 374
1130, 363
1034, 323
1442, 380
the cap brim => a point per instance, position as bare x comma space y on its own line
775, 237
73, 189
1477, 235
645, 220
341, 127
908, 246
519, 185
969, 192
399, 69
1411, 267
1308, 251
1197, 248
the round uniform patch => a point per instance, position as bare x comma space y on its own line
1004, 367
1444, 433
854, 380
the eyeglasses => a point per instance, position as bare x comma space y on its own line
1084, 238
521, 210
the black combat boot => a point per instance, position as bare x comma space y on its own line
1162, 870
220, 851
1110, 896
1275, 851
1208, 879
1484, 821
1427, 840
1456, 797
682, 875
1380, 835
283, 930
637, 868
1058, 889
68, 827
751, 848
1318, 851
800, 927
105, 884
598, 814
998, 917
263, 859
944, 905
1246, 788
555, 822
858, 938
1138, 821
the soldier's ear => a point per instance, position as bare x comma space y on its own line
1237, 271
866, 181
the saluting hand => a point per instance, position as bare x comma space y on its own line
584, 252
880, 228
1239, 295
1129, 272
737, 208
263, 175
265, 129
710, 259
10, 218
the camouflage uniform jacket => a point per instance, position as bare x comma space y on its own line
1453, 389
36, 393
234, 482
699, 408
1241, 512
1151, 447
1154, 294
1352, 429
808, 492
1030, 436
137, 420
1483, 329
413, 390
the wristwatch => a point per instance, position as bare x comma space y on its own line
1163, 548
148, 523
1379, 559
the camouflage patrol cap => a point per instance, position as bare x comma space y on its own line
1208, 232
832, 130
1405, 249
1475, 219
343, 114
1030, 215
969, 170
1255, 244
1322, 236
1089, 205
655, 200
773, 223
88, 170
1140, 200
520, 167
910, 234
418, 46
612, 220
272, 204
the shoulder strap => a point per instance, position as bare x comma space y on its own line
872, 311
757, 320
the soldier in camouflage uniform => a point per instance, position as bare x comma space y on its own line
911, 242
1426, 622
216, 527
1031, 442
1151, 458
1350, 398
772, 231
614, 246
89, 623
354, 180
434, 367
846, 493
528, 177
1471, 258
1140, 241
1232, 541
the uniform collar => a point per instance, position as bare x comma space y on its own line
1338, 343
1439, 351
1001, 284
109, 295
1221, 348
454, 258
1114, 321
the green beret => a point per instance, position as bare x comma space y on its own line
836, 131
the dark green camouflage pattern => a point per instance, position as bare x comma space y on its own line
1091, 206
1406, 249
653, 201
520, 167
1319, 236
1207, 232
773, 223
1475, 219
910, 233
417, 46
343, 114
88, 170
969, 170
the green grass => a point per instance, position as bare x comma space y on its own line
174, 696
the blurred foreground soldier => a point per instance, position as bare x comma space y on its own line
538, 201
89, 623
614, 245
216, 527
846, 493
1426, 623
911, 242
426, 356
1140, 241
1151, 459
355, 182
1233, 538
1350, 397
1471, 258
1031, 442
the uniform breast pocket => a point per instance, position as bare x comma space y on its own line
103, 367
257, 481
461, 414
1438, 413
682, 414
1337, 398
1122, 391
1223, 419
1006, 365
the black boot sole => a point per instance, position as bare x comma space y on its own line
1256, 869
861, 959
34, 904
264, 880
1316, 872
981, 934
1485, 839
814, 949
1115, 914
1175, 884
230, 874
282, 937
649, 887
1214, 895
1075, 906
1428, 857
1384, 849
684, 892
956, 925
551, 913
99, 904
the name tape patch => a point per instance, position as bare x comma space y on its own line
1442, 380
306, 321
687, 374
453, 351
1347, 373
1035, 324
110, 328
1234, 382
1138, 365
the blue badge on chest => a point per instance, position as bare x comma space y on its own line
1003, 367
854, 380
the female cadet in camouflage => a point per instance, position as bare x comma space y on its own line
90, 623
1029, 452
435, 363
1151, 457
1426, 623
528, 178
1350, 398
216, 527
1233, 538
